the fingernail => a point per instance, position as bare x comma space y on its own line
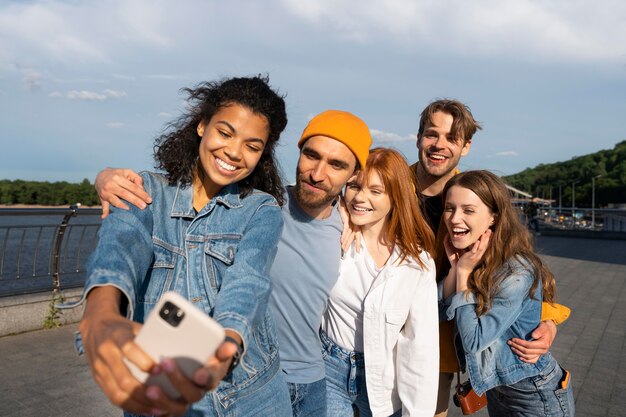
156, 369
168, 365
201, 377
149, 199
152, 393
142, 205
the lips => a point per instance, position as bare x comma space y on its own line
359, 210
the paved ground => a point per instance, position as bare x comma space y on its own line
42, 376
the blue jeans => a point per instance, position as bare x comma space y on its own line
345, 380
540, 395
308, 399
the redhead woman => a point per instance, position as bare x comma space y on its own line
210, 234
494, 291
380, 330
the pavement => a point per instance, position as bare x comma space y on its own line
42, 375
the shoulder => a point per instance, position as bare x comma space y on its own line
425, 275
518, 276
154, 181
260, 198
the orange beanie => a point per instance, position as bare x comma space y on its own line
344, 127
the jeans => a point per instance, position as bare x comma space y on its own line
308, 399
345, 381
540, 395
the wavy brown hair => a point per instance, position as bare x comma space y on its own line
406, 226
509, 241
176, 151
463, 123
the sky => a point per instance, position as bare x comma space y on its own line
89, 84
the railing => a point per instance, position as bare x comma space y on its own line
46, 252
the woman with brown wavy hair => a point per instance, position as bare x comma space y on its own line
494, 291
380, 330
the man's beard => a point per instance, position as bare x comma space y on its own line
308, 199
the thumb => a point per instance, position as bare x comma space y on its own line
226, 351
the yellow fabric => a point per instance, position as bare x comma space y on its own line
344, 127
556, 312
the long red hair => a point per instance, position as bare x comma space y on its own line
406, 226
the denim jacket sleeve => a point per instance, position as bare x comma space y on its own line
478, 332
244, 294
123, 254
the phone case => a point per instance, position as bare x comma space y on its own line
190, 343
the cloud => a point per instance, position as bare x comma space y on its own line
115, 125
123, 77
90, 95
524, 29
56, 94
385, 137
165, 114
507, 153
31, 79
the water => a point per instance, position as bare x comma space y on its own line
27, 249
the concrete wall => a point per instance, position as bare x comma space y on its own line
22, 313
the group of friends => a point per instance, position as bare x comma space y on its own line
360, 290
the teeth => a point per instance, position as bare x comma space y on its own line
360, 209
438, 157
459, 230
224, 165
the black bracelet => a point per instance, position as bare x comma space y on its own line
236, 356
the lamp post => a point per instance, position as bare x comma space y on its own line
573, 200
593, 201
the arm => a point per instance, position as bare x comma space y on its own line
114, 184
477, 333
417, 353
543, 336
108, 336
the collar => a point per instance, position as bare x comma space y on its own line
183, 200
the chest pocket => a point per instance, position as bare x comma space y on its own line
394, 321
220, 255
159, 276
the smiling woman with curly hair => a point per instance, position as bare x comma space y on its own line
210, 234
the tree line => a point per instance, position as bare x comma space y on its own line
47, 193
608, 167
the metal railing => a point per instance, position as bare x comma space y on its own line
45, 252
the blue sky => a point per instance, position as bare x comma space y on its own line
89, 84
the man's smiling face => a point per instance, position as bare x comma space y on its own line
439, 150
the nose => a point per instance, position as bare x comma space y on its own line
318, 173
234, 150
440, 142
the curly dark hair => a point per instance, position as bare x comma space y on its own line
176, 150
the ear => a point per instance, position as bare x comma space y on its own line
200, 128
417, 144
493, 220
466, 148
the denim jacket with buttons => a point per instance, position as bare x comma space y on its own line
483, 347
218, 258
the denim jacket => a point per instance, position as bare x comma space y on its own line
218, 258
489, 359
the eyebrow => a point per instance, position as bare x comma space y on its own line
234, 131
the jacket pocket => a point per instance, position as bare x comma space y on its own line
394, 321
158, 279
220, 254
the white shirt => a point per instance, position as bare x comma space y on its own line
400, 330
343, 318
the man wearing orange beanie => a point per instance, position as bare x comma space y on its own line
332, 146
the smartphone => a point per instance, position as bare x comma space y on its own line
177, 329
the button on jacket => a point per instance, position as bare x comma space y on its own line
218, 258
400, 336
